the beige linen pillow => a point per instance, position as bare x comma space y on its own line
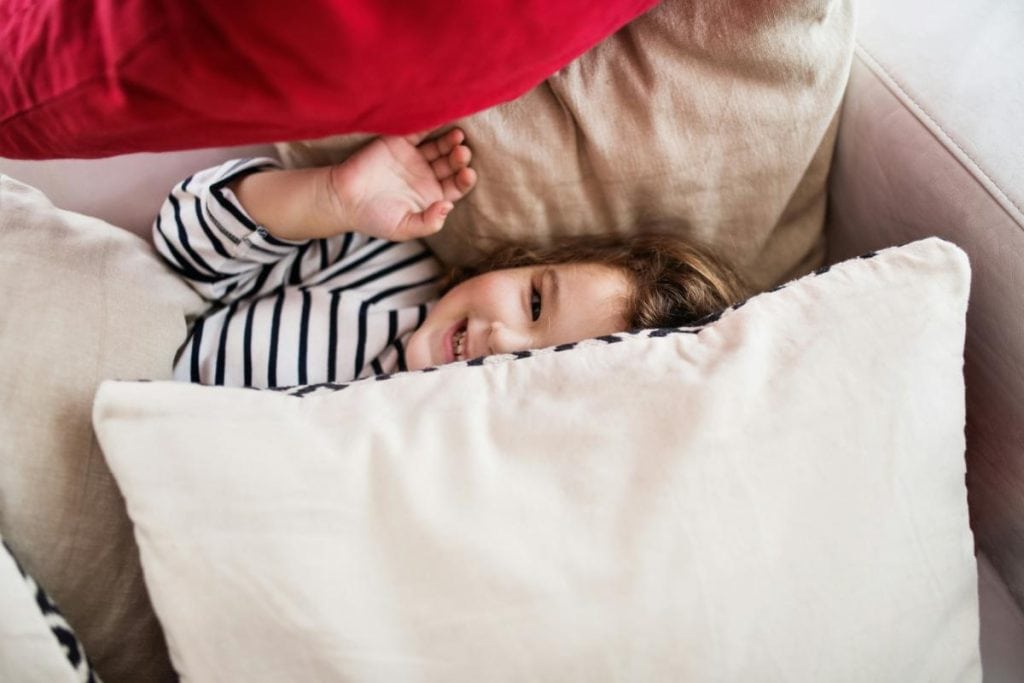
778, 495
81, 302
715, 118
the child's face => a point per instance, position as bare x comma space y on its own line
518, 309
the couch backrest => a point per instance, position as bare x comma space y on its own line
931, 144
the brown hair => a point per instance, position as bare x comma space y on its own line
674, 283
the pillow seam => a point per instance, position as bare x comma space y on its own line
945, 139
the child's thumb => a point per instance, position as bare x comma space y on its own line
422, 223
435, 215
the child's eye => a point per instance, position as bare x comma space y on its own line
535, 303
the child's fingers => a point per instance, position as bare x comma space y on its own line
452, 163
458, 185
440, 146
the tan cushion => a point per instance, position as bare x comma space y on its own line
81, 302
778, 495
715, 116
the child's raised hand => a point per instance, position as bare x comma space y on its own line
400, 188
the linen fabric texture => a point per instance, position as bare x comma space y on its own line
777, 495
715, 121
82, 301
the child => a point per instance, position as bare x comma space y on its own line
314, 275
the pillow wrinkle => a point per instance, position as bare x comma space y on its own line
55, 84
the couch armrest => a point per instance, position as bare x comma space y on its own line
932, 143
125, 191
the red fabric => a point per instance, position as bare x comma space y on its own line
82, 78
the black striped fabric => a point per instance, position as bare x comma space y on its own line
287, 313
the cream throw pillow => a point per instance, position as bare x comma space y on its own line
714, 119
80, 302
37, 645
778, 495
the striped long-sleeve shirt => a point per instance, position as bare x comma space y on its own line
284, 313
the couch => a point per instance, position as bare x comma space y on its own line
927, 144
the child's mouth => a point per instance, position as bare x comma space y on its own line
459, 344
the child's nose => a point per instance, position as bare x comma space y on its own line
505, 339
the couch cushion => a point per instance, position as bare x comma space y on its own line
82, 301
94, 79
931, 144
778, 491
714, 119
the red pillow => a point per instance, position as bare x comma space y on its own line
88, 79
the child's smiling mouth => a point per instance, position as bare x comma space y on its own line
456, 345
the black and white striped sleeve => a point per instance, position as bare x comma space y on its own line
206, 236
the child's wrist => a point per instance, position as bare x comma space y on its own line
295, 204
335, 206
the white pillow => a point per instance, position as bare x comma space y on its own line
778, 495
36, 643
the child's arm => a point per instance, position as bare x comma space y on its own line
205, 235
244, 228
393, 188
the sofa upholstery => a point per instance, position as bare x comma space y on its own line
932, 143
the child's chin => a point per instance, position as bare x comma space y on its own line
416, 359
